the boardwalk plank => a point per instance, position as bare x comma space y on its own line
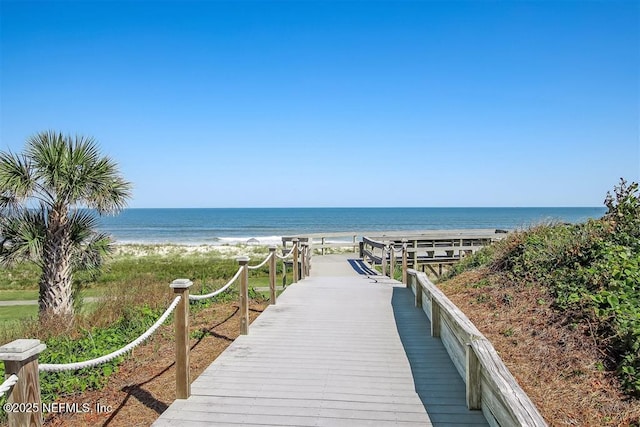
337, 350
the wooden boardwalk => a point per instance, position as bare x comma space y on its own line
338, 349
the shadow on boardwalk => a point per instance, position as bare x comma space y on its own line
437, 382
338, 349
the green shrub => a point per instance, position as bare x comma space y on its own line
591, 269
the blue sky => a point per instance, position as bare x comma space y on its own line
282, 104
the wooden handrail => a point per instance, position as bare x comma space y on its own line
489, 384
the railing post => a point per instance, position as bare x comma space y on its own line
183, 376
404, 262
244, 295
473, 378
21, 358
307, 259
322, 250
296, 249
435, 318
272, 274
418, 287
303, 260
384, 260
392, 260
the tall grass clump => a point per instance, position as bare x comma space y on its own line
591, 269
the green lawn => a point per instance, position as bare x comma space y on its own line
17, 312
32, 294
18, 295
126, 272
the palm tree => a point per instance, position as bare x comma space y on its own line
47, 198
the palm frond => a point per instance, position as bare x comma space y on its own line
23, 236
47, 151
89, 247
81, 224
91, 254
74, 173
107, 191
16, 178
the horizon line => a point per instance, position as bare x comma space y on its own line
376, 207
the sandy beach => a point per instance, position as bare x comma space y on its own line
231, 251
221, 251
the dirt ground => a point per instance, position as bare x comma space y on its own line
555, 358
144, 385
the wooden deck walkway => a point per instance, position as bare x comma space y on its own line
338, 349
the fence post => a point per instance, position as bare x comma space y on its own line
21, 358
404, 262
296, 248
272, 274
244, 295
183, 376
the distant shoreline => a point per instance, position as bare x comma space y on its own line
221, 227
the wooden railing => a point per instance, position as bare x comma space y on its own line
432, 250
20, 357
490, 386
321, 242
375, 253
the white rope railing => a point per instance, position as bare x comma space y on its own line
9, 382
255, 267
219, 291
47, 367
287, 255
399, 250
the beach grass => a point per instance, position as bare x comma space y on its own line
135, 275
153, 263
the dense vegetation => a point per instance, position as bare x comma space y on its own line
592, 270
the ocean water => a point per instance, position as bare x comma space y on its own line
267, 225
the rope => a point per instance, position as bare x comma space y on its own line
8, 383
219, 291
255, 267
287, 255
45, 367
393, 248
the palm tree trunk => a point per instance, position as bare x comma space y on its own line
56, 299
